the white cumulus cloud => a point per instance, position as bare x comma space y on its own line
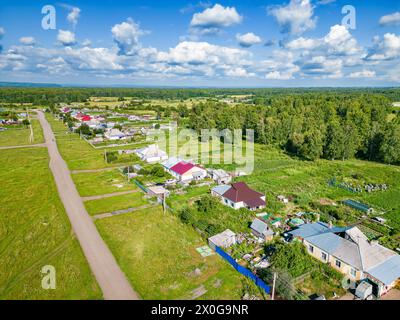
212, 20
387, 48
248, 39
390, 19
362, 74
66, 38
296, 17
73, 16
126, 35
29, 41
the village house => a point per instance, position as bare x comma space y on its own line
114, 134
239, 195
350, 252
151, 154
220, 176
223, 240
184, 171
261, 230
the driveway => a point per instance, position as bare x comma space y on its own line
109, 276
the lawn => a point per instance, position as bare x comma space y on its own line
35, 231
14, 137
111, 204
158, 255
103, 182
21, 136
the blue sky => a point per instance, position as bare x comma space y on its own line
202, 43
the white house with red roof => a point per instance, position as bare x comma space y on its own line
239, 195
185, 171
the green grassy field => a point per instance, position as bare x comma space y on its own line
103, 182
21, 136
111, 204
35, 231
157, 253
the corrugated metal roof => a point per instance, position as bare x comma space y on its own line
388, 271
309, 229
221, 189
343, 249
261, 227
171, 162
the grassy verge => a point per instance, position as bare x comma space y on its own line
35, 231
157, 253
97, 183
115, 203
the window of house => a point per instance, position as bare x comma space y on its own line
226, 201
311, 249
323, 255
338, 264
353, 272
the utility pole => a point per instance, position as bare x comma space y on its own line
164, 203
273, 287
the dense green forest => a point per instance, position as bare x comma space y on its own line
49, 95
333, 123
311, 126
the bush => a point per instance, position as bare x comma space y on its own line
186, 216
206, 203
292, 258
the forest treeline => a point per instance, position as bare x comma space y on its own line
314, 126
262, 96
331, 123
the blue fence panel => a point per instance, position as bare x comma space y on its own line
140, 185
244, 271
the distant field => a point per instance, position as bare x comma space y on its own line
21, 136
35, 231
157, 253
97, 183
114, 203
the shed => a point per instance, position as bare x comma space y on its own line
261, 230
224, 239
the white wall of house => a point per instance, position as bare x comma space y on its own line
234, 205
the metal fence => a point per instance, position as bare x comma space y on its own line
140, 185
244, 271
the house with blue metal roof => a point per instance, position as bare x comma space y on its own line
350, 252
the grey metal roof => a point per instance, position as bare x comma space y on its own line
388, 271
309, 229
345, 250
171, 162
261, 227
221, 189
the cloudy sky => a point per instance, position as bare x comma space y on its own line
188, 43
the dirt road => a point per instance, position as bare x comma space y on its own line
24, 146
109, 195
111, 279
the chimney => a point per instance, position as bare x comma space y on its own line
330, 225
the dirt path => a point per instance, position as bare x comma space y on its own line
123, 211
111, 279
94, 170
24, 146
108, 195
